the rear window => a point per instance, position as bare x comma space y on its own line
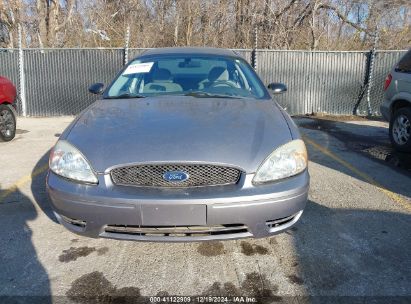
404, 66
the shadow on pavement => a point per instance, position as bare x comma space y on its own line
21, 273
38, 186
354, 252
371, 142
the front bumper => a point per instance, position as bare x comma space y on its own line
196, 214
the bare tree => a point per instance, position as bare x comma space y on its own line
52, 18
281, 24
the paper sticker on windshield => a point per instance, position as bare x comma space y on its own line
138, 68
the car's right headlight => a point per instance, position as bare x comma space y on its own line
287, 160
67, 161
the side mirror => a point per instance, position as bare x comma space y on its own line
277, 88
96, 88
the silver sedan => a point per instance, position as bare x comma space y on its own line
186, 144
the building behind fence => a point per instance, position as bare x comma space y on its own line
56, 81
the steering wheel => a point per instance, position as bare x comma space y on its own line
222, 83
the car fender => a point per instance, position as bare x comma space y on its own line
8, 91
405, 96
294, 132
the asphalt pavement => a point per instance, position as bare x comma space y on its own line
353, 241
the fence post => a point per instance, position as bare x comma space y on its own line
254, 51
22, 81
127, 42
371, 73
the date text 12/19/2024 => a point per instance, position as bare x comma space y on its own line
202, 299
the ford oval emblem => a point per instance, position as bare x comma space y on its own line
175, 176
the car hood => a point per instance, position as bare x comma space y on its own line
175, 129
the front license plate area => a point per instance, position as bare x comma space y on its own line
174, 215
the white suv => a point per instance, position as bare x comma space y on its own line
397, 104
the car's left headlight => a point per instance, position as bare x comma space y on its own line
67, 161
287, 160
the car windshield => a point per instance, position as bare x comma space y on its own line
187, 75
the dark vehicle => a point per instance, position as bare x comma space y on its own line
186, 144
397, 105
7, 110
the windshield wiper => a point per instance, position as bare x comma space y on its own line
201, 94
126, 95
198, 94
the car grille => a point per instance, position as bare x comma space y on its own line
177, 231
152, 175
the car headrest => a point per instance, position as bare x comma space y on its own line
161, 75
218, 73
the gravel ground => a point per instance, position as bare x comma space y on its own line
353, 240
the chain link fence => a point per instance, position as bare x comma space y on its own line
9, 67
326, 82
57, 80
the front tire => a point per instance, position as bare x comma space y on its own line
400, 130
7, 123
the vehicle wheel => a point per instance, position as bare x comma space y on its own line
400, 130
7, 123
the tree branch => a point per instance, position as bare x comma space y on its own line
344, 18
70, 7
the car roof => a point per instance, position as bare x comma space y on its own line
188, 51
